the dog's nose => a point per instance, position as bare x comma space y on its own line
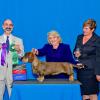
21, 58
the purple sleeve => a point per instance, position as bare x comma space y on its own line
42, 51
69, 55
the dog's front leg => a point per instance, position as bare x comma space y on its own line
71, 77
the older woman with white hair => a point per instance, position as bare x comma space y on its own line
55, 50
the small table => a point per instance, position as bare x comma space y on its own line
55, 89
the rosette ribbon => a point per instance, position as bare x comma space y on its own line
3, 53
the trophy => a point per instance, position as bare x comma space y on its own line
77, 54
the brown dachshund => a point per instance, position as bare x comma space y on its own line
48, 68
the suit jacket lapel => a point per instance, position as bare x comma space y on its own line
2, 40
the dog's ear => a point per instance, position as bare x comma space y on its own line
30, 56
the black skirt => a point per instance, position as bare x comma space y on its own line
89, 83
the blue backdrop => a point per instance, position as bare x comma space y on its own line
34, 18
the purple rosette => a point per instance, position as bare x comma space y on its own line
3, 54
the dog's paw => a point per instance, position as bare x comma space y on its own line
71, 78
40, 79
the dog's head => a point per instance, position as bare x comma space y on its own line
28, 57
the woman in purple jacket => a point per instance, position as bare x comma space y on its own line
55, 51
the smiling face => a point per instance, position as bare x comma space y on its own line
89, 27
7, 26
87, 31
54, 40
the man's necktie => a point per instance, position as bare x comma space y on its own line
7, 42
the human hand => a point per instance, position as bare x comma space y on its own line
35, 51
98, 78
77, 53
80, 65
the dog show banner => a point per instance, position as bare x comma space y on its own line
19, 71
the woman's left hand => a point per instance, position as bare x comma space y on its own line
98, 77
80, 65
